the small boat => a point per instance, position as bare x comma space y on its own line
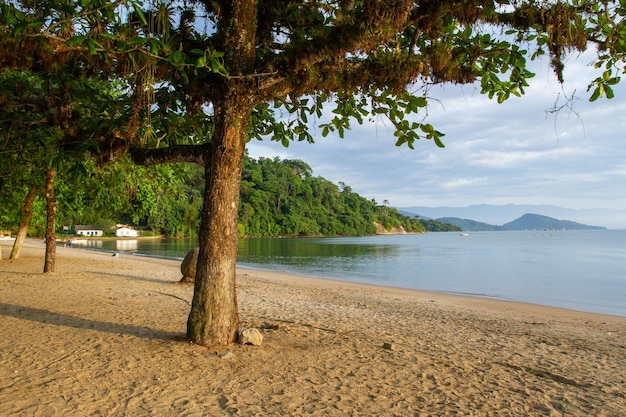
464, 234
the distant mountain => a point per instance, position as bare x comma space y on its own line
470, 225
538, 222
500, 214
528, 221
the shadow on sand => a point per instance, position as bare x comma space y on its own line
58, 319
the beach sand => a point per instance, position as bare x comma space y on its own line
104, 336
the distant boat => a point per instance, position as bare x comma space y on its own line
464, 234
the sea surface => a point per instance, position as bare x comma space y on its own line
579, 270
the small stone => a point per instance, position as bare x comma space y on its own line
227, 355
249, 337
388, 346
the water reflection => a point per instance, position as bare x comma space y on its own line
265, 250
87, 243
127, 245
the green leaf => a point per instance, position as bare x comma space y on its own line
175, 57
139, 40
595, 95
107, 36
154, 45
91, 46
427, 128
140, 14
76, 40
201, 62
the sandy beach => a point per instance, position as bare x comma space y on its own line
104, 336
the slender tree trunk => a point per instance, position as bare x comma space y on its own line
26, 216
51, 208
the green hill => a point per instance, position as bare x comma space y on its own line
528, 221
538, 222
470, 225
284, 198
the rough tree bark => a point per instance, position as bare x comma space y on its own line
26, 216
214, 316
51, 208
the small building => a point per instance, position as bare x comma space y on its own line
88, 230
125, 231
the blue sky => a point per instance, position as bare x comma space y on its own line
495, 153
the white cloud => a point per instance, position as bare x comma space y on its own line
514, 159
462, 182
513, 152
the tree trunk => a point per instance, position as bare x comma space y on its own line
214, 317
51, 208
26, 216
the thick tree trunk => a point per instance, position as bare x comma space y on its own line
51, 208
26, 216
214, 316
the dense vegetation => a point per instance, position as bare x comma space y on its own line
165, 199
284, 198
278, 198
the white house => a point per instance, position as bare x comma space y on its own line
88, 231
124, 231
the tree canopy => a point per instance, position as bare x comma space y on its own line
278, 198
245, 69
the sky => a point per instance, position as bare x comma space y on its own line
510, 153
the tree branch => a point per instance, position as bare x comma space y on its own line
198, 154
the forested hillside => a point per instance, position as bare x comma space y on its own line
278, 198
282, 197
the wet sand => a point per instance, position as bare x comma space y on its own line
104, 336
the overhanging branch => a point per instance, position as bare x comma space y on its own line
197, 154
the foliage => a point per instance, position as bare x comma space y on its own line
369, 58
283, 198
278, 198
439, 226
165, 198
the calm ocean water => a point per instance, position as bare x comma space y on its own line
579, 270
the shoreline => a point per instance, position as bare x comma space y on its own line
524, 278
354, 285
357, 282
105, 335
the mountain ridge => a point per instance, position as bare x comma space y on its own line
528, 221
500, 214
